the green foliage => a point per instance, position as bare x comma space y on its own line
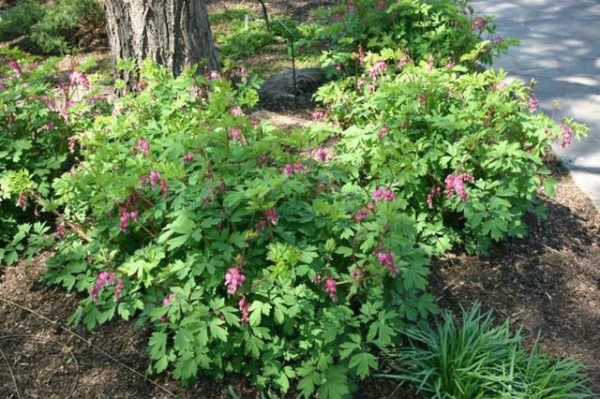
18, 20
56, 27
239, 34
254, 251
463, 150
66, 22
480, 360
445, 30
242, 254
34, 148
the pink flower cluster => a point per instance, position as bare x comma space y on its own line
357, 274
141, 146
434, 192
52, 105
22, 201
260, 226
330, 287
387, 260
141, 85
234, 279
127, 217
296, 167
244, 307
403, 61
319, 115
235, 133
567, 136
49, 126
15, 66
166, 302
78, 78
533, 104
456, 184
479, 23
156, 180
378, 68
361, 55
272, 216
382, 132
189, 157
321, 154
104, 279
383, 194
60, 231
361, 214
119, 289
236, 111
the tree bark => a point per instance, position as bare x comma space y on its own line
173, 33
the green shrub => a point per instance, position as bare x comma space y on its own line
18, 20
463, 150
67, 22
56, 27
243, 41
37, 124
445, 30
478, 360
244, 255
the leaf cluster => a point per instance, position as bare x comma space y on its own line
477, 359
56, 27
37, 123
417, 126
226, 201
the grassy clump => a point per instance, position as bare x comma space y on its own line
479, 360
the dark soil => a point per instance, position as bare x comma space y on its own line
549, 283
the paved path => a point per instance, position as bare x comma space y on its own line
560, 48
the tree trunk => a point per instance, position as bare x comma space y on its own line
173, 33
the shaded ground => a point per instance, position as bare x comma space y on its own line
548, 283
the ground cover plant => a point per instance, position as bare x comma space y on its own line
255, 251
242, 255
477, 359
464, 150
37, 146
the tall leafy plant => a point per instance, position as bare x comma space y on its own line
36, 145
243, 254
463, 150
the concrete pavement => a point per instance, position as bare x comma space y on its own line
560, 48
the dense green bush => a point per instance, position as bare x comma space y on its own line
244, 255
463, 150
254, 251
443, 30
18, 20
479, 360
66, 24
55, 27
35, 146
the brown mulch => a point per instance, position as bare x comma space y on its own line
549, 283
